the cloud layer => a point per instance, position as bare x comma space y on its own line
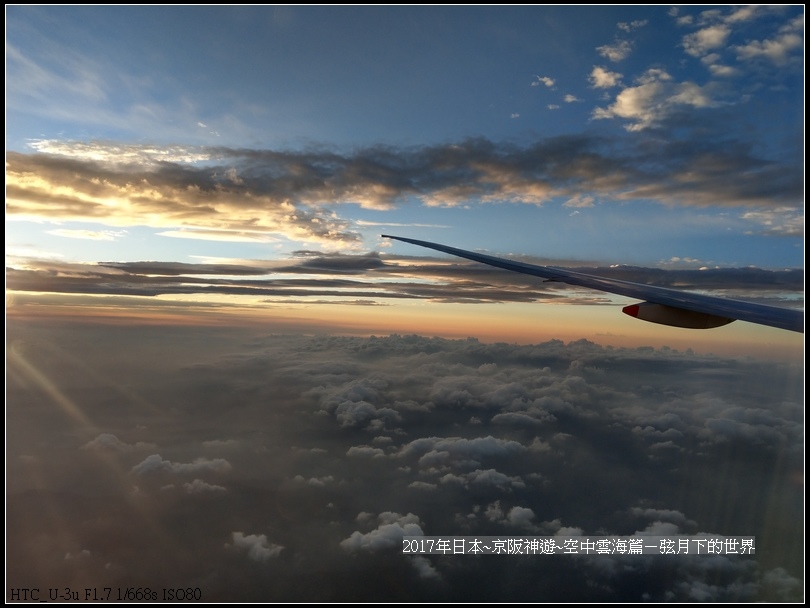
271, 467
244, 194
366, 279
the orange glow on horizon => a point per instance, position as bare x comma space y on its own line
512, 323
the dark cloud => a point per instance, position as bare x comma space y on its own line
265, 467
180, 268
364, 279
295, 193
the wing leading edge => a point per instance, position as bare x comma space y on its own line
661, 304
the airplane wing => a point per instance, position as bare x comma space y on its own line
661, 304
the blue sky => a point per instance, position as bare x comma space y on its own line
662, 137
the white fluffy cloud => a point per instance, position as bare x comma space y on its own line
706, 40
617, 51
155, 463
256, 546
481, 477
664, 438
198, 486
654, 98
108, 441
459, 448
602, 78
778, 50
364, 451
388, 534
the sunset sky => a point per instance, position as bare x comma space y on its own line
194, 194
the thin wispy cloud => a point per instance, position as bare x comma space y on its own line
231, 236
90, 235
632, 25
366, 280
